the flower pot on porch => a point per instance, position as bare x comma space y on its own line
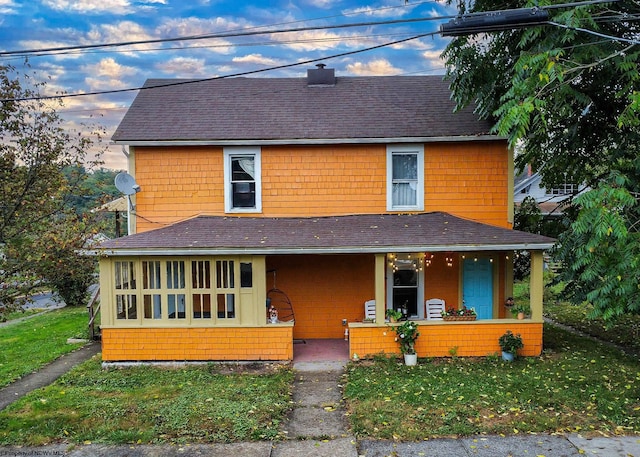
411, 360
520, 316
508, 356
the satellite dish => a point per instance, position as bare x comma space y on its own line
126, 183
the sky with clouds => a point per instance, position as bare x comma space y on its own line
38, 25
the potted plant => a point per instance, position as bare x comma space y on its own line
406, 336
520, 310
509, 344
393, 315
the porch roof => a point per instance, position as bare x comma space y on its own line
367, 233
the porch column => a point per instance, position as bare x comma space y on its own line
381, 268
536, 285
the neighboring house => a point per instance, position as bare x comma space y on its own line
335, 191
549, 201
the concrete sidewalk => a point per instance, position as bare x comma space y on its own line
481, 446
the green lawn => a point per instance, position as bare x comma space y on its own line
32, 343
624, 332
576, 386
150, 405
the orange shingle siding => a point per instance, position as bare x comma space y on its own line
324, 290
438, 340
177, 183
259, 343
465, 179
468, 180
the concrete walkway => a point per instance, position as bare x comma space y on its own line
47, 375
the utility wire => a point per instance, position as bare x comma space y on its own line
592, 32
253, 32
211, 46
223, 35
193, 81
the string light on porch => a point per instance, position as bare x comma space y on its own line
449, 259
396, 262
428, 257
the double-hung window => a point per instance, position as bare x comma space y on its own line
242, 180
405, 178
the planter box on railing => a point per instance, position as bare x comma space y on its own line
458, 318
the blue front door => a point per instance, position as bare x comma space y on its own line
477, 288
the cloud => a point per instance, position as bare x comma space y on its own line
183, 67
435, 61
394, 10
193, 26
91, 6
8, 7
117, 33
107, 74
377, 67
322, 3
310, 40
257, 59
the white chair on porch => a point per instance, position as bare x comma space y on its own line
370, 309
433, 309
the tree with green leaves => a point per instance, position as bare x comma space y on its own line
39, 234
568, 95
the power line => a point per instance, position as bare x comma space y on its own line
245, 73
253, 32
252, 44
593, 32
278, 67
221, 35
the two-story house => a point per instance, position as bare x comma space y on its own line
340, 192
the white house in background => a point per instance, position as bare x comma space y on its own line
549, 200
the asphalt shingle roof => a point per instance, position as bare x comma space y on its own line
435, 231
281, 109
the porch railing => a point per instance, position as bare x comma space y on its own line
94, 307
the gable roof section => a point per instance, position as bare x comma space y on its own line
287, 110
372, 233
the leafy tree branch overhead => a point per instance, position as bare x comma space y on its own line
40, 231
567, 94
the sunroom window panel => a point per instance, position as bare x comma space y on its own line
151, 280
201, 306
246, 275
175, 275
176, 303
126, 306
201, 286
125, 281
225, 278
176, 306
226, 306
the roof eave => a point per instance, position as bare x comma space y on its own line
289, 141
322, 250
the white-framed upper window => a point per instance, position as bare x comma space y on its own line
242, 180
405, 177
564, 189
